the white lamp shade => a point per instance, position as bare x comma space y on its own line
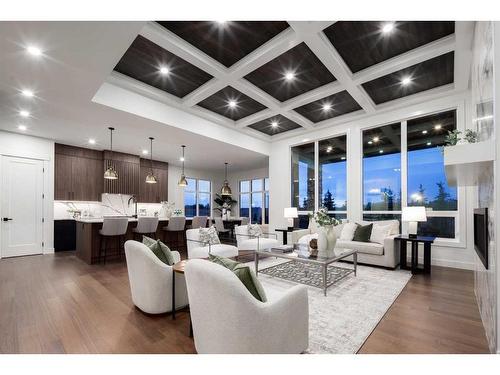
414, 214
290, 213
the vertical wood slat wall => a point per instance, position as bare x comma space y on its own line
128, 168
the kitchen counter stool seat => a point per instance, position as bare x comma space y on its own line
145, 226
176, 228
112, 228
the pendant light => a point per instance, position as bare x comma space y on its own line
151, 178
183, 182
226, 190
111, 173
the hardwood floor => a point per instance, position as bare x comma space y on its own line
58, 304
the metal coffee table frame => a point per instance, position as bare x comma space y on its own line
323, 262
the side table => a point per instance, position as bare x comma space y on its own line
415, 269
285, 234
179, 268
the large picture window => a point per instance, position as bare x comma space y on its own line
303, 177
254, 200
197, 198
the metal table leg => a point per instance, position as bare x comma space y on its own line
324, 278
173, 295
355, 258
256, 257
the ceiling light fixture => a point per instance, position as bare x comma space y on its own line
342, 158
22, 128
327, 107
151, 178
182, 181
437, 127
424, 131
376, 139
24, 113
388, 27
429, 143
274, 124
406, 81
232, 104
380, 151
289, 76
28, 93
111, 173
226, 189
370, 142
164, 70
92, 141
221, 23
144, 152
35, 51
329, 149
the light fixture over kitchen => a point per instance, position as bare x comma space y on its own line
111, 173
151, 178
226, 190
183, 182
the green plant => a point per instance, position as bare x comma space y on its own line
470, 136
224, 202
322, 218
452, 138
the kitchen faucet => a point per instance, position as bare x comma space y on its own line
133, 198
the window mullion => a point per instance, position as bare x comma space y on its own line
316, 176
404, 168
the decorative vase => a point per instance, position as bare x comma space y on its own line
326, 241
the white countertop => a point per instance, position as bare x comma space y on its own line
91, 220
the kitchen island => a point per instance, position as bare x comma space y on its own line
88, 239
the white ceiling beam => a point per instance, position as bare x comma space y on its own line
415, 56
464, 31
313, 95
299, 119
328, 55
256, 117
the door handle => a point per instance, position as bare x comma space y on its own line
7, 219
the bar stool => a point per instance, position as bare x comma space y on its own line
112, 227
175, 226
199, 222
146, 226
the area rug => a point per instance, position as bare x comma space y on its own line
341, 322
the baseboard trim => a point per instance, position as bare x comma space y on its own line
448, 263
48, 251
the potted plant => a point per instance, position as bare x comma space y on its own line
224, 204
326, 234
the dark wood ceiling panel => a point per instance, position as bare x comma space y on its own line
220, 103
329, 107
309, 73
424, 76
283, 125
226, 42
363, 43
144, 59
430, 131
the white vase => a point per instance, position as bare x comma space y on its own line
326, 241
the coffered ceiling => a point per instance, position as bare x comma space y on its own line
276, 78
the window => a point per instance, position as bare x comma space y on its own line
303, 177
254, 200
197, 198
382, 168
333, 174
426, 179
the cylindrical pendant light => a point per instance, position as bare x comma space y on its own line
226, 190
111, 173
151, 178
183, 182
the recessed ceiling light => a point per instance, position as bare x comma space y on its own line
182, 158
144, 152
24, 113
380, 151
28, 93
437, 127
376, 139
274, 124
92, 141
329, 149
221, 23
388, 27
424, 131
406, 81
327, 107
370, 142
164, 70
342, 158
22, 127
35, 51
232, 104
289, 76
429, 143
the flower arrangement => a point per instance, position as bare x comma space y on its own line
322, 218
178, 212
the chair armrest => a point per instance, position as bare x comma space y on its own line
390, 249
298, 234
246, 235
269, 234
202, 242
176, 255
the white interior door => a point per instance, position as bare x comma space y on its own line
22, 206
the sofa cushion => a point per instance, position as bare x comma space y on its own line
245, 274
362, 233
380, 233
159, 249
221, 249
348, 231
264, 243
338, 229
393, 223
362, 247
254, 230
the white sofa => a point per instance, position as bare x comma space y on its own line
151, 280
227, 319
247, 242
368, 252
198, 249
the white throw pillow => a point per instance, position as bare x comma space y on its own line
338, 229
254, 230
380, 233
209, 236
347, 233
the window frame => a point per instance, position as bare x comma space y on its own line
250, 193
197, 193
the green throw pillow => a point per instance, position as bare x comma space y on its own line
159, 249
244, 273
363, 233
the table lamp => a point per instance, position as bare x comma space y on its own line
413, 215
290, 213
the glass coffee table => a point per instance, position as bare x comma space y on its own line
306, 269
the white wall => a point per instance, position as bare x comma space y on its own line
451, 254
18, 145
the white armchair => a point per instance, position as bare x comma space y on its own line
248, 242
151, 280
199, 249
227, 319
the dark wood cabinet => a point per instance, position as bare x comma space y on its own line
153, 193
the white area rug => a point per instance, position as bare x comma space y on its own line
341, 322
